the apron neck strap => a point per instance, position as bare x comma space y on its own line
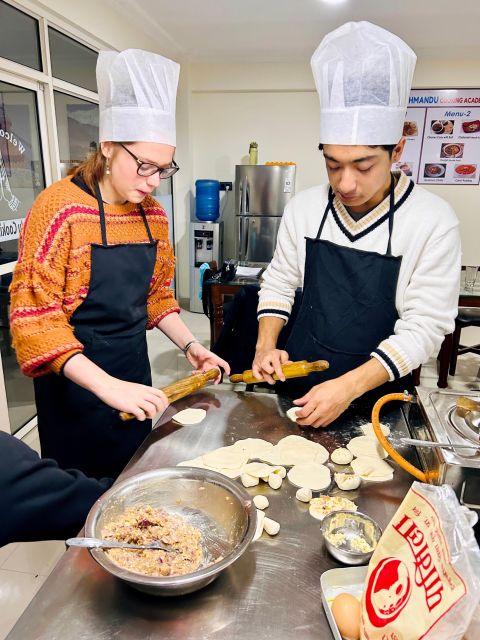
101, 211
103, 225
325, 213
391, 212
145, 222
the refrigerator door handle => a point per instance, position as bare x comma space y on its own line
240, 237
244, 201
247, 234
243, 235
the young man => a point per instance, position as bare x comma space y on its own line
377, 256
38, 500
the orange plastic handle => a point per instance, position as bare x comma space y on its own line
405, 397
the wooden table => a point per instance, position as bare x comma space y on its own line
218, 290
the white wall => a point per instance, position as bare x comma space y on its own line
277, 106
222, 107
110, 27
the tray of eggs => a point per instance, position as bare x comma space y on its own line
342, 591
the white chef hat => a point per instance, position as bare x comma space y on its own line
137, 94
363, 76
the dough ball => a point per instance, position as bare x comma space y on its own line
310, 475
341, 456
272, 527
303, 494
259, 527
347, 481
248, 480
275, 481
189, 416
261, 502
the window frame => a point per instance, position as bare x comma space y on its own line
44, 84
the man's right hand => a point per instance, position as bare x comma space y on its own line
267, 362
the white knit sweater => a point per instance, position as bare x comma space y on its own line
425, 234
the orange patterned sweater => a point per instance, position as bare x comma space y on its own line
52, 275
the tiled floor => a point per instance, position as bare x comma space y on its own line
24, 566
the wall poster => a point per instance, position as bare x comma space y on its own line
442, 128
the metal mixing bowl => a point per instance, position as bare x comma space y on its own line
351, 525
218, 506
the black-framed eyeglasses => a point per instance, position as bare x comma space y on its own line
146, 169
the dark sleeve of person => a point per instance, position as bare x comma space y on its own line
38, 500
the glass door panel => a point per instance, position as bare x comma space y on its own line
21, 180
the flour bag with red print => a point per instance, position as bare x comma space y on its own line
423, 579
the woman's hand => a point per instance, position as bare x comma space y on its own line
203, 360
138, 399
267, 362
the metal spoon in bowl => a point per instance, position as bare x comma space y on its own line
98, 543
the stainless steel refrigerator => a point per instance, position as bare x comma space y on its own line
261, 193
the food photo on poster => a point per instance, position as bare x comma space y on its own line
408, 168
442, 126
434, 170
410, 128
452, 150
471, 126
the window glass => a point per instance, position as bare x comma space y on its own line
21, 180
19, 37
21, 167
71, 61
77, 127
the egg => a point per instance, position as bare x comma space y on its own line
346, 610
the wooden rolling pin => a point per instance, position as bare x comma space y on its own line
291, 370
182, 388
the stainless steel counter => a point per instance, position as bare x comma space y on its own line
273, 591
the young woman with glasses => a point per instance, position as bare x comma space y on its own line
94, 272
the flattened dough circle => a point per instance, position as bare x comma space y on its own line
363, 446
310, 475
189, 416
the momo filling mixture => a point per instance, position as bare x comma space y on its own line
145, 524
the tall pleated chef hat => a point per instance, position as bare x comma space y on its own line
363, 76
137, 94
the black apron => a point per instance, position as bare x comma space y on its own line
75, 427
348, 308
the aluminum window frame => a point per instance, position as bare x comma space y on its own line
44, 84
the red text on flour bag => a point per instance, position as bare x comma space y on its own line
411, 583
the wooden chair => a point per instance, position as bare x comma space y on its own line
444, 358
467, 317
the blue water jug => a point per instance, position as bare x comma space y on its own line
207, 200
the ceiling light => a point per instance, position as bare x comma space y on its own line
334, 2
